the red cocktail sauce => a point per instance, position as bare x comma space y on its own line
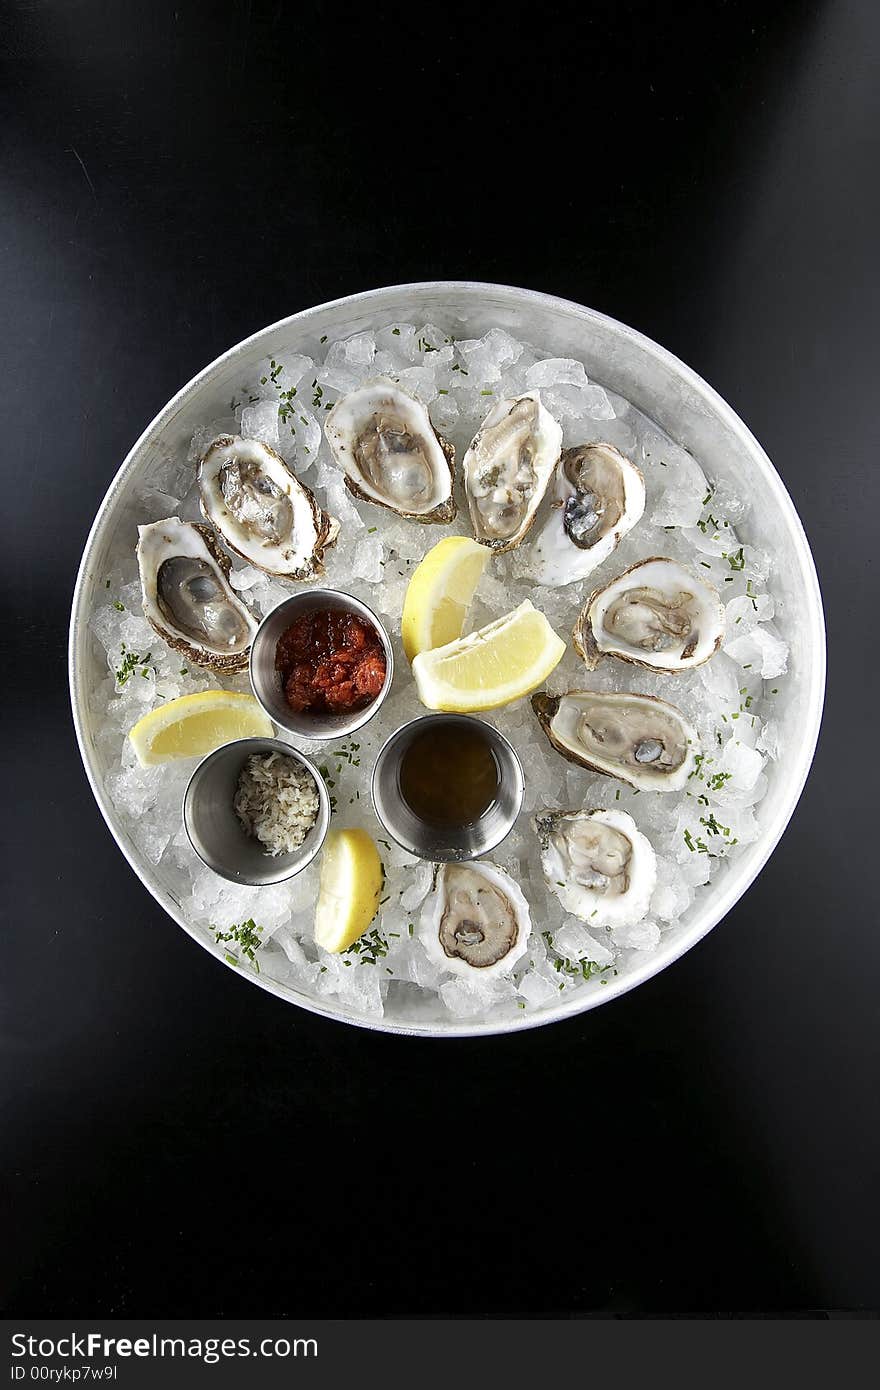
331, 662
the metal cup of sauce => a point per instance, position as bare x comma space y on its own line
218, 836
447, 787
266, 678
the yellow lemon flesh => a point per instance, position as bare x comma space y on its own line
350, 888
439, 593
492, 666
197, 724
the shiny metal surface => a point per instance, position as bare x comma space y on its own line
426, 840
266, 682
659, 384
217, 835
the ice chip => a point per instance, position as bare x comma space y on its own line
444, 412
132, 790
762, 651
641, 936
360, 349
742, 765
292, 948
418, 887
486, 358
247, 578
575, 943
104, 623
260, 421
347, 363
360, 986
340, 505
368, 559
684, 489
536, 989
769, 739
670, 901
744, 612
301, 431
198, 446
294, 368
556, 371
399, 341
721, 678
420, 382
596, 403
467, 998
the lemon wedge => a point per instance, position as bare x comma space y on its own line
350, 888
196, 724
492, 666
439, 592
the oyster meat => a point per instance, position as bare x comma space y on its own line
476, 920
598, 863
640, 739
658, 614
391, 454
187, 598
507, 469
596, 497
262, 510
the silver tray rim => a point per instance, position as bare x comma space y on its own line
749, 864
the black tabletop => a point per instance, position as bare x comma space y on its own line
177, 175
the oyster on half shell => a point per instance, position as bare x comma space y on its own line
639, 739
658, 614
262, 510
507, 469
391, 454
598, 863
476, 920
597, 495
186, 594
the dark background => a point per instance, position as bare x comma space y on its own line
176, 176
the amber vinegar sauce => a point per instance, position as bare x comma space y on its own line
449, 776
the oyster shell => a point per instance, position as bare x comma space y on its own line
507, 469
187, 598
598, 863
597, 495
639, 739
262, 510
658, 614
391, 454
476, 920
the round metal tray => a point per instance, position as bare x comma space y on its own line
614, 355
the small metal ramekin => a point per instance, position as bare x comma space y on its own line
266, 681
440, 844
218, 836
